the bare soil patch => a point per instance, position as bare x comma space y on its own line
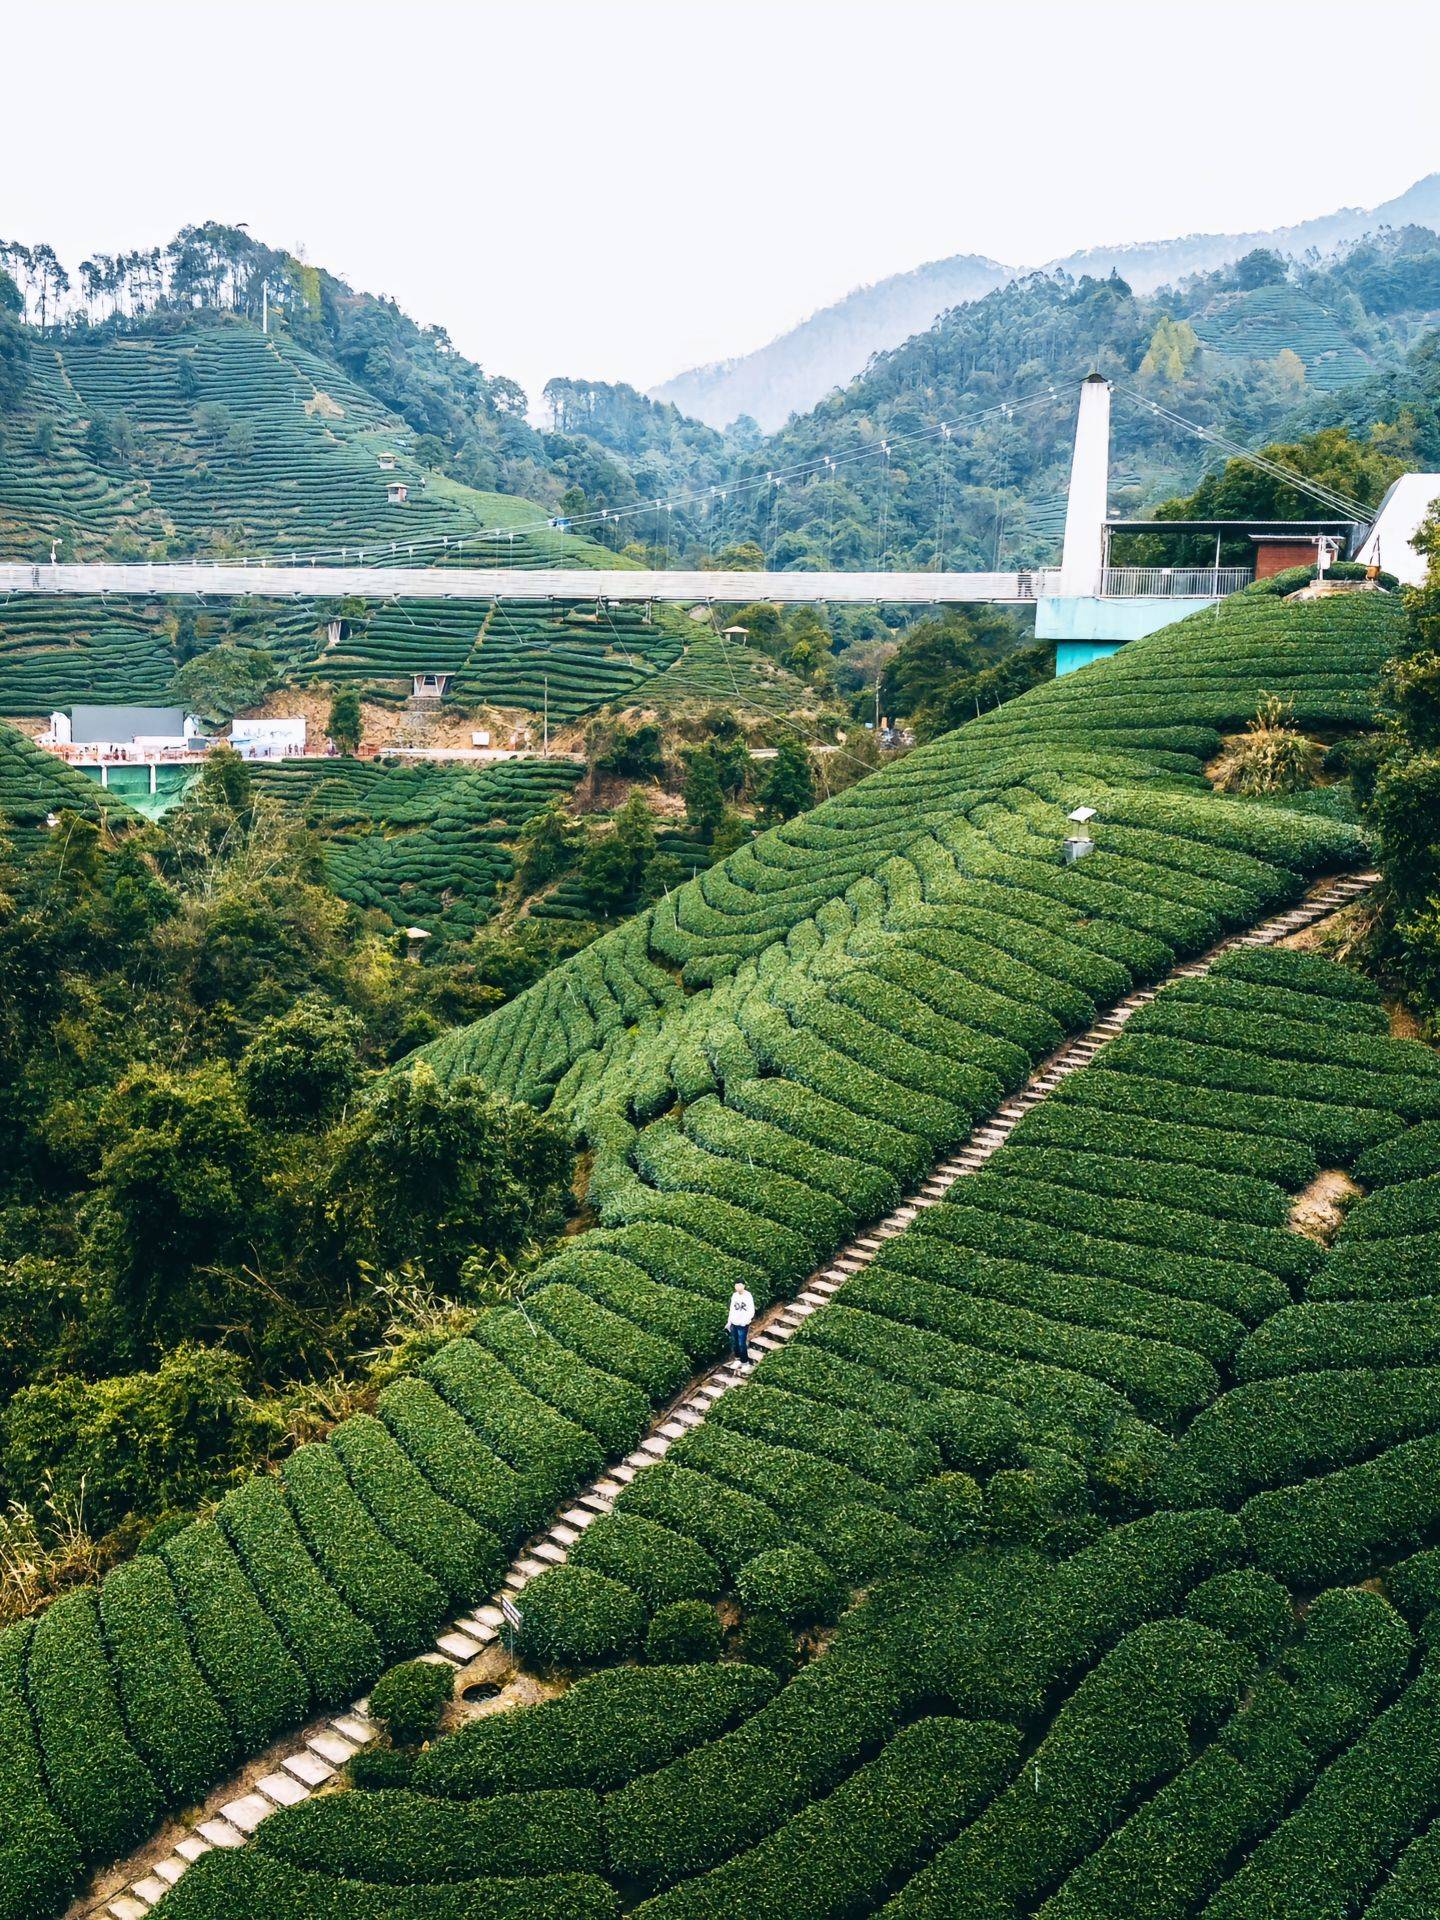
1317, 1210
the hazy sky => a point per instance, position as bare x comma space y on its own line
623, 188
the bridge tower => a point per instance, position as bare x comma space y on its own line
1083, 555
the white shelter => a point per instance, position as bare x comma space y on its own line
279, 737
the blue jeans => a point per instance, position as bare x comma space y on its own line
740, 1342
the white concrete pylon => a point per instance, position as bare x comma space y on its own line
1087, 503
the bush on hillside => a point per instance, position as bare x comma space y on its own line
574, 1617
410, 1699
683, 1635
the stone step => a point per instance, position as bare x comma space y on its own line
220, 1833
246, 1813
308, 1768
458, 1646
477, 1630
283, 1788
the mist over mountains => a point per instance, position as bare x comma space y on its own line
830, 347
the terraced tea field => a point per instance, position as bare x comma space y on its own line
1094, 1688
243, 443
34, 785
427, 845
1268, 321
518, 655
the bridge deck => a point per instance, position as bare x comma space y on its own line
228, 579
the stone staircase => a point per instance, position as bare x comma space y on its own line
230, 1816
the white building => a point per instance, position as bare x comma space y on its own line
1389, 544
126, 733
278, 738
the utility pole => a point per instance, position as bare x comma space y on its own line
264, 306
547, 715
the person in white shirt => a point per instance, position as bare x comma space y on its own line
742, 1312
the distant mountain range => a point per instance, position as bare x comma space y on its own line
800, 367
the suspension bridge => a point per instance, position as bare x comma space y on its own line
1085, 605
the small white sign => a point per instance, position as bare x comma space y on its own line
512, 1614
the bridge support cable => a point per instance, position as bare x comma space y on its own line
1338, 502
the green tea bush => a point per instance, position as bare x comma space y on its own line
391, 1838
601, 1732
662, 1566
575, 1617
949, 1509
409, 1700
685, 1633
100, 1786
792, 1583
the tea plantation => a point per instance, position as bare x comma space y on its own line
1099, 1441
524, 655
1122, 1439
241, 442
426, 844
34, 785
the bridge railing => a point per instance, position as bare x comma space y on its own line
1173, 583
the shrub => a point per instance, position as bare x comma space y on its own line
575, 1617
170, 1712
397, 1839
661, 1566
863, 1542
454, 1458
602, 1732
99, 1784
728, 1524
765, 1640
393, 1595
338, 1652
1363, 1809
792, 1583
409, 1700
380, 1767
1247, 1607
616, 1412
1336, 1527
949, 1509
683, 1634
838, 1856
1414, 1585
1126, 1728
1269, 757
458, 1553
245, 1662
836, 1433
39, 1860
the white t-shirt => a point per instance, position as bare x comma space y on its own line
742, 1308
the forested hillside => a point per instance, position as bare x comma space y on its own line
831, 348
1238, 351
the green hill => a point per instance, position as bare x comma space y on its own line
212, 438
35, 785
1001, 372
757, 1066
